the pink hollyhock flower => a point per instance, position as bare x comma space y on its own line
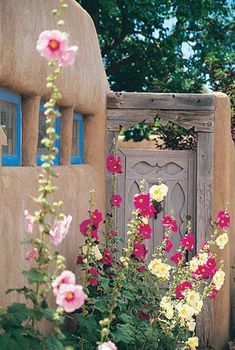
213, 293
141, 269
169, 222
113, 164
60, 229
140, 250
107, 346
93, 282
181, 288
96, 217
66, 277
87, 226
148, 212
116, 200
68, 56
107, 257
32, 254
223, 219
177, 258
71, 297
28, 222
142, 201
202, 272
93, 271
188, 241
211, 265
168, 245
145, 231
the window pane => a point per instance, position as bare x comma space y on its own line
41, 134
8, 119
75, 138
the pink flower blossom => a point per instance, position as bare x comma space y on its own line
181, 288
211, 266
53, 45
168, 245
213, 293
202, 272
140, 250
116, 200
87, 226
148, 212
28, 222
66, 277
107, 346
188, 241
141, 269
96, 217
107, 258
93, 282
113, 164
170, 223
93, 271
60, 229
177, 258
145, 230
142, 201
223, 219
71, 297
32, 254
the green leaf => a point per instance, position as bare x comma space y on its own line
7, 343
34, 275
124, 334
101, 305
52, 343
16, 314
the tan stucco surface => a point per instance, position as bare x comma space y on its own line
84, 87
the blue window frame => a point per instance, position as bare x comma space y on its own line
41, 150
10, 117
77, 139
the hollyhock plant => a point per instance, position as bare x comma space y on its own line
28, 222
188, 241
116, 200
71, 297
113, 164
60, 229
66, 277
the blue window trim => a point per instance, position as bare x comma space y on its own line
14, 159
57, 143
80, 133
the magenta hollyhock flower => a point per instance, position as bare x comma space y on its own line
148, 212
79, 260
177, 258
107, 346
211, 265
113, 164
87, 226
202, 272
141, 268
168, 245
32, 254
169, 222
60, 229
116, 200
188, 241
107, 258
142, 201
140, 250
71, 297
223, 219
93, 282
145, 230
53, 45
28, 222
93, 271
96, 217
66, 277
213, 293
181, 288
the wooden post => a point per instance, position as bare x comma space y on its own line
3, 142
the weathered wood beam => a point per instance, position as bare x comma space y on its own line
139, 100
200, 119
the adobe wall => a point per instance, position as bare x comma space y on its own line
84, 87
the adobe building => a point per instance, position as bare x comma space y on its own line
88, 117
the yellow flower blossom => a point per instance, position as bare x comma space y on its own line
158, 192
222, 240
193, 342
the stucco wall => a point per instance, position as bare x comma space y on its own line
84, 87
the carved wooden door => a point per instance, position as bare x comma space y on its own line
175, 168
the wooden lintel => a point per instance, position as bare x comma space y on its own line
138, 100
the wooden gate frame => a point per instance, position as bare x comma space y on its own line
188, 110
